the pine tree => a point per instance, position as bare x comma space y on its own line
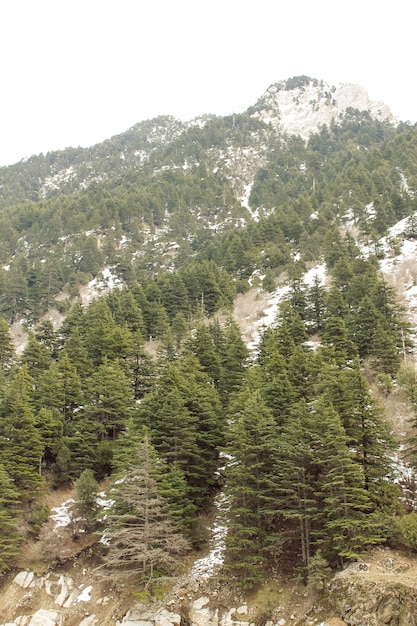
184, 417
77, 353
36, 356
81, 451
276, 387
86, 489
49, 389
7, 352
9, 536
201, 344
233, 359
362, 325
50, 425
179, 328
14, 299
338, 348
315, 306
110, 399
70, 386
252, 538
384, 351
295, 476
172, 484
301, 373
21, 447
174, 432
141, 367
127, 312
203, 404
347, 528
45, 334
102, 337
367, 431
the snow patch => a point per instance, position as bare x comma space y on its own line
62, 514
85, 595
317, 272
268, 317
102, 284
208, 565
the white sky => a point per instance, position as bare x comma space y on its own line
75, 72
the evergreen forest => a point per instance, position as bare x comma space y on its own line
150, 386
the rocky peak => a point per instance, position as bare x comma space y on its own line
301, 105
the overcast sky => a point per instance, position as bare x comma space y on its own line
75, 72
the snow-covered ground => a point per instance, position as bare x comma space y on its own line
62, 515
401, 270
210, 564
270, 311
105, 282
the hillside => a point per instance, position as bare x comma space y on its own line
207, 360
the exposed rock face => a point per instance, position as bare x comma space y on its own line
302, 110
31, 600
144, 615
374, 603
362, 595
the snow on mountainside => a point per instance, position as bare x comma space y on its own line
399, 270
298, 106
303, 109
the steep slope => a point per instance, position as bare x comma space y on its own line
297, 106
171, 222
166, 192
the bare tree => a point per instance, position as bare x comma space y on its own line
141, 537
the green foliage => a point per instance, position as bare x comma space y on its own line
184, 417
319, 572
38, 515
311, 447
408, 530
20, 442
86, 489
9, 536
250, 541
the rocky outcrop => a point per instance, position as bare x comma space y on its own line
145, 615
200, 612
303, 109
374, 603
31, 600
375, 593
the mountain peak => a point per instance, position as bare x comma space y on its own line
300, 105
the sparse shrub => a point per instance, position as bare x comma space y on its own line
385, 383
268, 283
407, 379
50, 547
38, 516
87, 491
408, 529
319, 572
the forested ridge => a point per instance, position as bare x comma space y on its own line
188, 218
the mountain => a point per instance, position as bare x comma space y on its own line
164, 190
297, 106
217, 312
